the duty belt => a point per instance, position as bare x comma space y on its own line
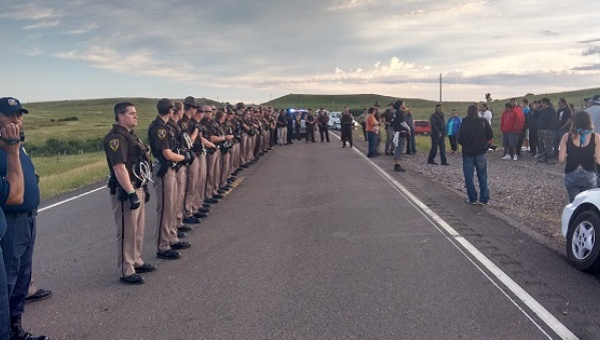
29, 213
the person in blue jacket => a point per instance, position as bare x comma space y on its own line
19, 217
452, 127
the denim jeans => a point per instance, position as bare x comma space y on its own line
579, 180
438, 142
371, 138
470, 165
17, 246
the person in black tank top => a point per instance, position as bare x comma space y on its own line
578, 148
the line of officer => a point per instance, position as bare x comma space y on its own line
163, 143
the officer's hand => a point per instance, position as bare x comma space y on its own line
229, 137
10, 139
134, 201
191, 157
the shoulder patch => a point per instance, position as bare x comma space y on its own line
161, 133
184, 125
113, 144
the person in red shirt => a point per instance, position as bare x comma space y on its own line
511, 124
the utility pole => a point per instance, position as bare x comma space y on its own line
440, 88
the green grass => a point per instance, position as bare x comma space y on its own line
66, 173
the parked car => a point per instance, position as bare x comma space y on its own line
335, 121
579, 224
302, 113
422, 127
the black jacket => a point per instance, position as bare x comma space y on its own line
547, 119
438, 125
474, 136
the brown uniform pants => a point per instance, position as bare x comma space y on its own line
213, 174
200, 193
191, 199
130, 233
166, 226
180, 191
243, 148
225, 167
236, 156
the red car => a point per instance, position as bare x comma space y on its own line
422, 127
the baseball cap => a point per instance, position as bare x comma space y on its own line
10, 105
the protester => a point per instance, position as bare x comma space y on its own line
452, 127
401, 130
388, 118
411, 145
474, 135
362, 120
438, 130
372, 132
511, 125
546, 124
580, 148
563, 115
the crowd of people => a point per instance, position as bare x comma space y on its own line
548, 134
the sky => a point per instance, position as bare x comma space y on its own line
255, 51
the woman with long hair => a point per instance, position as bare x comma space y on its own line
580, 148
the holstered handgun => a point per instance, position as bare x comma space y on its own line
112, 184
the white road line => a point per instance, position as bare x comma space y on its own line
561, 330
71, 199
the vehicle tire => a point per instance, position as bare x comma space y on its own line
583, 248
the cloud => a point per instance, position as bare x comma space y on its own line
592, 67
82, 30
134, 63
548, 33
591, 51
588, 41
29, 12
34, 52
43, 24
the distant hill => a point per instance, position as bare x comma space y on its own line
94, 117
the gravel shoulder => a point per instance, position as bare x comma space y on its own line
529, 194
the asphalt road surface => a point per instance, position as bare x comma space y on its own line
315, 242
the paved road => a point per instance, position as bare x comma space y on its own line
314, 243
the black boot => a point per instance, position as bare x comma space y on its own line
17, 333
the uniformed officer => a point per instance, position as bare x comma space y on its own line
212, 158
129, 164
163, 144
310, 126
201, 147
189, 134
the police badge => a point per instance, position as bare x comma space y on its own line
162, 133
114, 144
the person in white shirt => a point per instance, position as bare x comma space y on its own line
484, 112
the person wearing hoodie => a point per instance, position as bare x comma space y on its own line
546, 124
401, 131
474, 135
